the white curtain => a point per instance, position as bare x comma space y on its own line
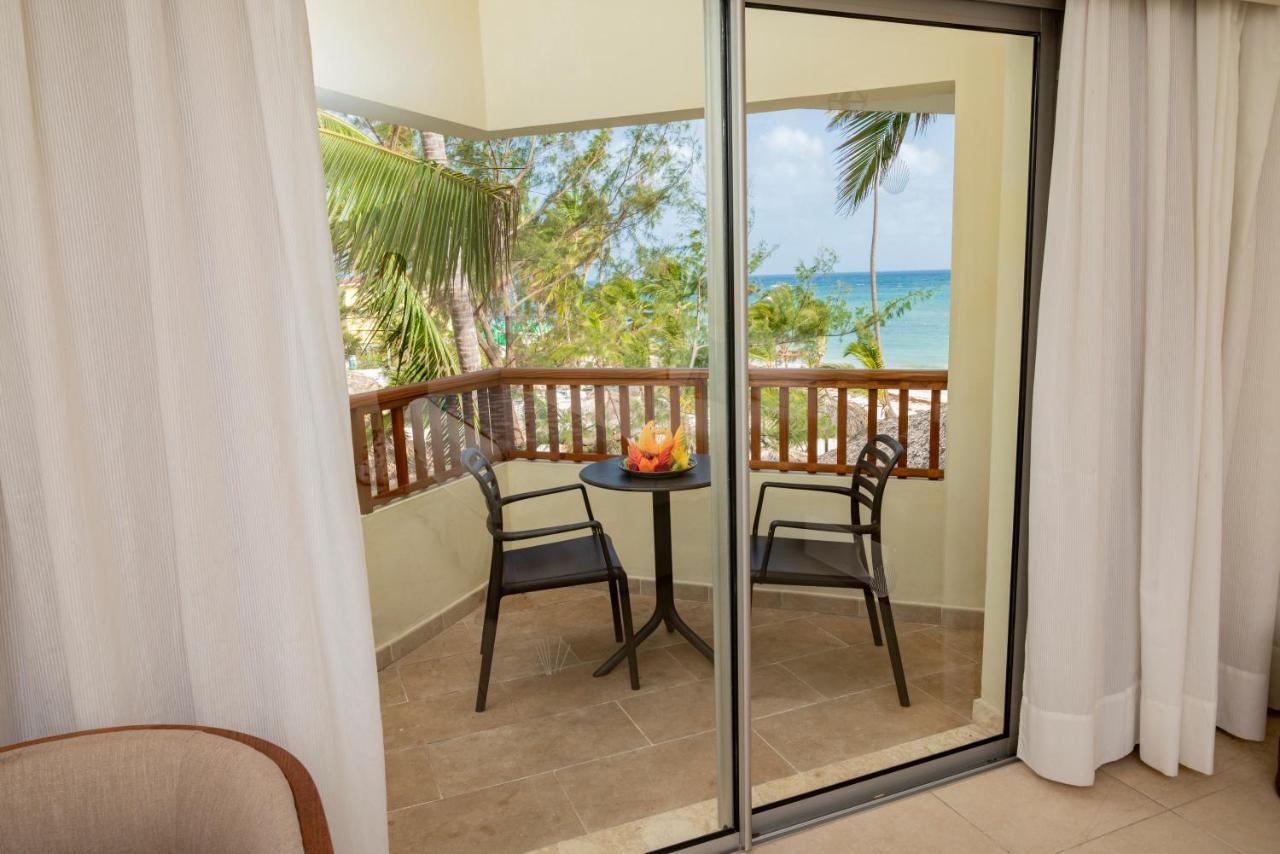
179, 533
1155, 490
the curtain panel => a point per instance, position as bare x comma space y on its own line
179, 534
1154, 553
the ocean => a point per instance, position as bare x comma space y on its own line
917, 339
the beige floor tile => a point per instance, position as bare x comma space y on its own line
700, 617
585, 625
850, 726
1232, 768
789, 639
1246, 815
775, 689
674, 712
956, 687
390, 688
1027, 814
761, 616
410, 779
1166, 833
644, 834
503, 820
653, 780
966, 641
419, 722
856, 629
917, 824
852, 768
691, 659
495, 756
423, 679
575, 687
462, 636
560, 595
841, 671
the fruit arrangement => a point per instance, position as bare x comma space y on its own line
654, 452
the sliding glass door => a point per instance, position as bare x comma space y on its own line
875, 198
690, 483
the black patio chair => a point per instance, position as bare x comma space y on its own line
584, 559
844, 562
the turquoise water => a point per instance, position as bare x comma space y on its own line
917, 339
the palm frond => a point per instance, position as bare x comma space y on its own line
417, 347
870, 140
436, 221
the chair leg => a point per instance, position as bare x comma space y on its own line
895, 656
871, 616
628, 636
617, 615
492, 599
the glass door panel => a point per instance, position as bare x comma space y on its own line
888, 170
533, 438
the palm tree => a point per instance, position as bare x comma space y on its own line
869, 145
414, 233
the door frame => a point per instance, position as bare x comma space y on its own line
727, 250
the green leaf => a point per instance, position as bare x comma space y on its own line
434, 222
870, 141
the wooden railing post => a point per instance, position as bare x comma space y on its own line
360, 447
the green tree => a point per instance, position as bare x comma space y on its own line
585, 261
865, 346
790, 322
411, 233
870, 141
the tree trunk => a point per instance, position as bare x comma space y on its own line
462, 317
875, 298
462, 312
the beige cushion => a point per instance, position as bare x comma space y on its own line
144, 791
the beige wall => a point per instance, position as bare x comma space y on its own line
499, 67
424, 553
415, 57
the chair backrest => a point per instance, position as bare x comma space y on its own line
479, 467
876, 462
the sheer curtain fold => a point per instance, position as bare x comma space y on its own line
179, 535
1154, 565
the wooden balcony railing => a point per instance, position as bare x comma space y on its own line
408, 438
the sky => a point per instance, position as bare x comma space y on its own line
791, 192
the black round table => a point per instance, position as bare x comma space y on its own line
608, 474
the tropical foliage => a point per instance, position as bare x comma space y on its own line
404, 229
558, 249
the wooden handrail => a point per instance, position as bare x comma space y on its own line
408, 438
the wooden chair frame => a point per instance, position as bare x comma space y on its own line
312, 824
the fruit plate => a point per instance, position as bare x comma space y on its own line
656, 475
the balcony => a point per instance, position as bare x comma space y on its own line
814, 666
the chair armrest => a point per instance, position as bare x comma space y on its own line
553, 490
533, 533
807, 487
830, 527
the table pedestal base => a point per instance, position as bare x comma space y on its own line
665, 609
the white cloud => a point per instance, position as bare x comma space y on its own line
921, 161
784, 141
